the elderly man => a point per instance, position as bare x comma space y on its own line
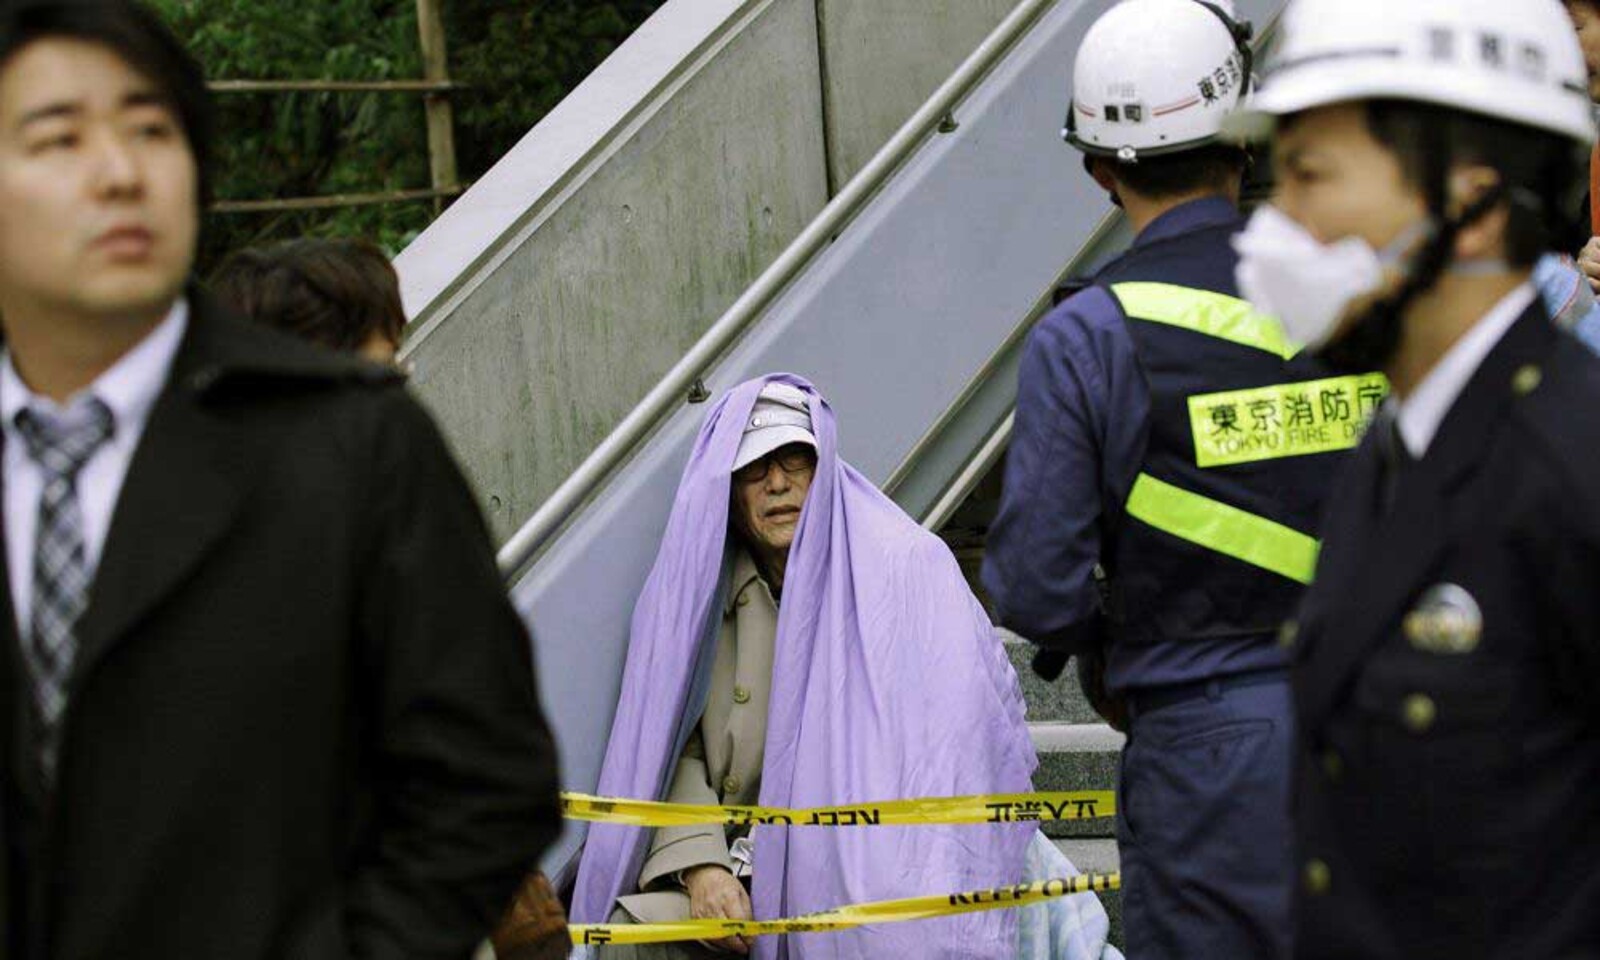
696, 870
802, 642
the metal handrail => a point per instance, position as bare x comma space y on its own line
525, 544
909, 462
971, 475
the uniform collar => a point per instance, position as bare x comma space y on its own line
1190, 216
744, 571
1420, 414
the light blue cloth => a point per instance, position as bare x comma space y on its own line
1071, 928
1569, 299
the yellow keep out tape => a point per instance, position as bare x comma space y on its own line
845, 918
996, 808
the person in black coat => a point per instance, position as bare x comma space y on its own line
345, 295
262, 694
1447, 652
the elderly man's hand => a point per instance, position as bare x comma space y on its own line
714, 894
1589, 262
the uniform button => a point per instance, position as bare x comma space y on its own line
1419, 711
1289, 634
1526, 379
1332, 766
731, 785
744, 599
741, 695
1318, 878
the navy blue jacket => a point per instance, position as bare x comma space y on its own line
1446, 801
1084, 434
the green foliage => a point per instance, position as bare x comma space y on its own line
519, 58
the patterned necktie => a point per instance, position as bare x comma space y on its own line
60, 572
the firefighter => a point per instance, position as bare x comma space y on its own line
1447, 654
1173, 437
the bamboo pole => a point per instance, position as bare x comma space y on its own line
334, 86
441, 120
328, 202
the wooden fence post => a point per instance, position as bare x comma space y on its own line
441, 120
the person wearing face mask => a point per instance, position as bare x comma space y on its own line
1447, 654
1171, 453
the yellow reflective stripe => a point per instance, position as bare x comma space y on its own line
1213, 314
1284, 419
1227, 530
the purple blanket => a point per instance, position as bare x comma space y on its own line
888, 683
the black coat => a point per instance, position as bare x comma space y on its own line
302, 721
1446, 799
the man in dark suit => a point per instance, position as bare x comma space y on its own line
1448, 650
261, 693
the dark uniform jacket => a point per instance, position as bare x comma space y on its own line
1448, 656
1104, 397
302, 722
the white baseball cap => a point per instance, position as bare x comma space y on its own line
781, 416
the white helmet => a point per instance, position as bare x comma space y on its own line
1156, 77
1516, 61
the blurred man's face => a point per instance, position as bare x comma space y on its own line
1586, 18
769, 494
1338, 181
98, 186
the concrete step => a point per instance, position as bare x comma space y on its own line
1099, 856
1076, 756
1057, 700
1092, 855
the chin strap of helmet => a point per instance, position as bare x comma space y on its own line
1242, 32
1375, 335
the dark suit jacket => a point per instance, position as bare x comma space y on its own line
1446, 801
302, 722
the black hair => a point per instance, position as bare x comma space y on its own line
1215, 167
339, 293
133, 32
1540, 173
1540, 180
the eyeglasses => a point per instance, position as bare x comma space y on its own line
798, 460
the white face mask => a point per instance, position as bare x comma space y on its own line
1308, 285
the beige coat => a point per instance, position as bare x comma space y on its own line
721, 764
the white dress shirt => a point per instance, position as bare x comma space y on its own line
129, 388
1420, 413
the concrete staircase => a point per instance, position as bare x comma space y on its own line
1077, 751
